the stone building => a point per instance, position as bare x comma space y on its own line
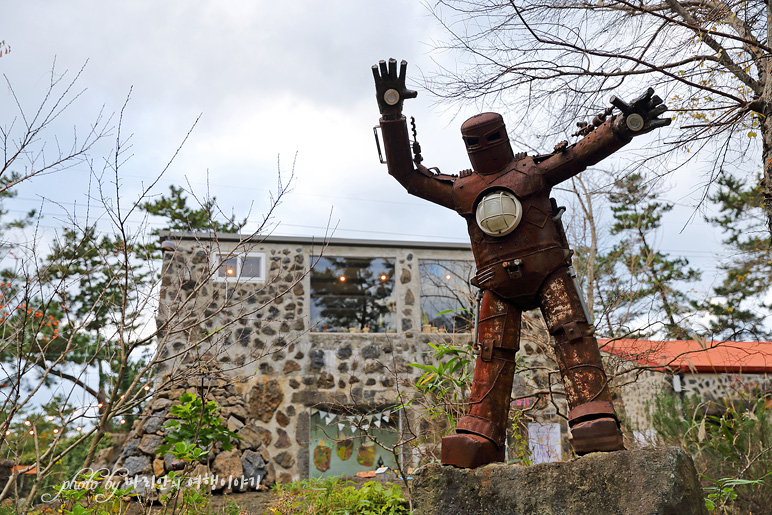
307, 346
311, 341
716, 372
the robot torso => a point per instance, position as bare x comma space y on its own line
513, 264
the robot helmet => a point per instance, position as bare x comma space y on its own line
487, 142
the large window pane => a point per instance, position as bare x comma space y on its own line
338, 446
352, 294
447, 298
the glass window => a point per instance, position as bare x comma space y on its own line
252, 266
244, 267
344, 444
447, 298
227, 268
352, 295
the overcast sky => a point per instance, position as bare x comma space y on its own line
269, 79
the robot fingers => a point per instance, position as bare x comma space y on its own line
388, 71
384, 69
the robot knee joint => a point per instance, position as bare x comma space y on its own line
572, 331
496, 341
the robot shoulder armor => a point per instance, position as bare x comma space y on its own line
445, 177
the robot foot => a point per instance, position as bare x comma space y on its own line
469, 451
599, 435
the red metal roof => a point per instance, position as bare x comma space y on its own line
22, 469
686, 356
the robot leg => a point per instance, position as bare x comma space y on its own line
591, 417
481, 434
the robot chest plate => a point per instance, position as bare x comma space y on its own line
519, 181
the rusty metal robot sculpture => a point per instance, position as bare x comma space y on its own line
523, 259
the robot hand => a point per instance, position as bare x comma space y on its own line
390, 88
641, 115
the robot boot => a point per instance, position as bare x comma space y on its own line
591, 417
481, 433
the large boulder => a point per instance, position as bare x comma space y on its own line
228, 470
661, 481
255, 470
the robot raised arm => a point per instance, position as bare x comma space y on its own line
390, 92
604, 137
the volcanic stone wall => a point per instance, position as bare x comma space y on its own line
638, 391
258, 334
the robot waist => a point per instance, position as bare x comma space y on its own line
521, 276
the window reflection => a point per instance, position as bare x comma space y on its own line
247, 267
227, 268
252, 266
352, 295
447, 298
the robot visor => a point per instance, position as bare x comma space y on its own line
475, 143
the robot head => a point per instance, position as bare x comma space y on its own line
487, 142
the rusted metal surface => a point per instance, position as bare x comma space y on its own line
498, 340
469, 451
487, 142
598, 435
576, 350
524, 268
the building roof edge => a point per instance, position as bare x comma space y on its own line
309, 240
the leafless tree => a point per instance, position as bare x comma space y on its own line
28, 147
52, 344
554, 61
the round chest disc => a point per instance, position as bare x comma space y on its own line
498, 213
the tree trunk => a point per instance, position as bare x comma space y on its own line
766, 138
766, 123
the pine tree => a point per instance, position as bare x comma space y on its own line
737, 308
181, 217
84, 290
638, 288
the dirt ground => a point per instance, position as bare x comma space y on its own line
250, 503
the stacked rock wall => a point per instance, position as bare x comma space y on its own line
258, 334
639, 389
246, 466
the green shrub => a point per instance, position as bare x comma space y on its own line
731, 444
196, 422
195, 430
334, 496
91, 495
